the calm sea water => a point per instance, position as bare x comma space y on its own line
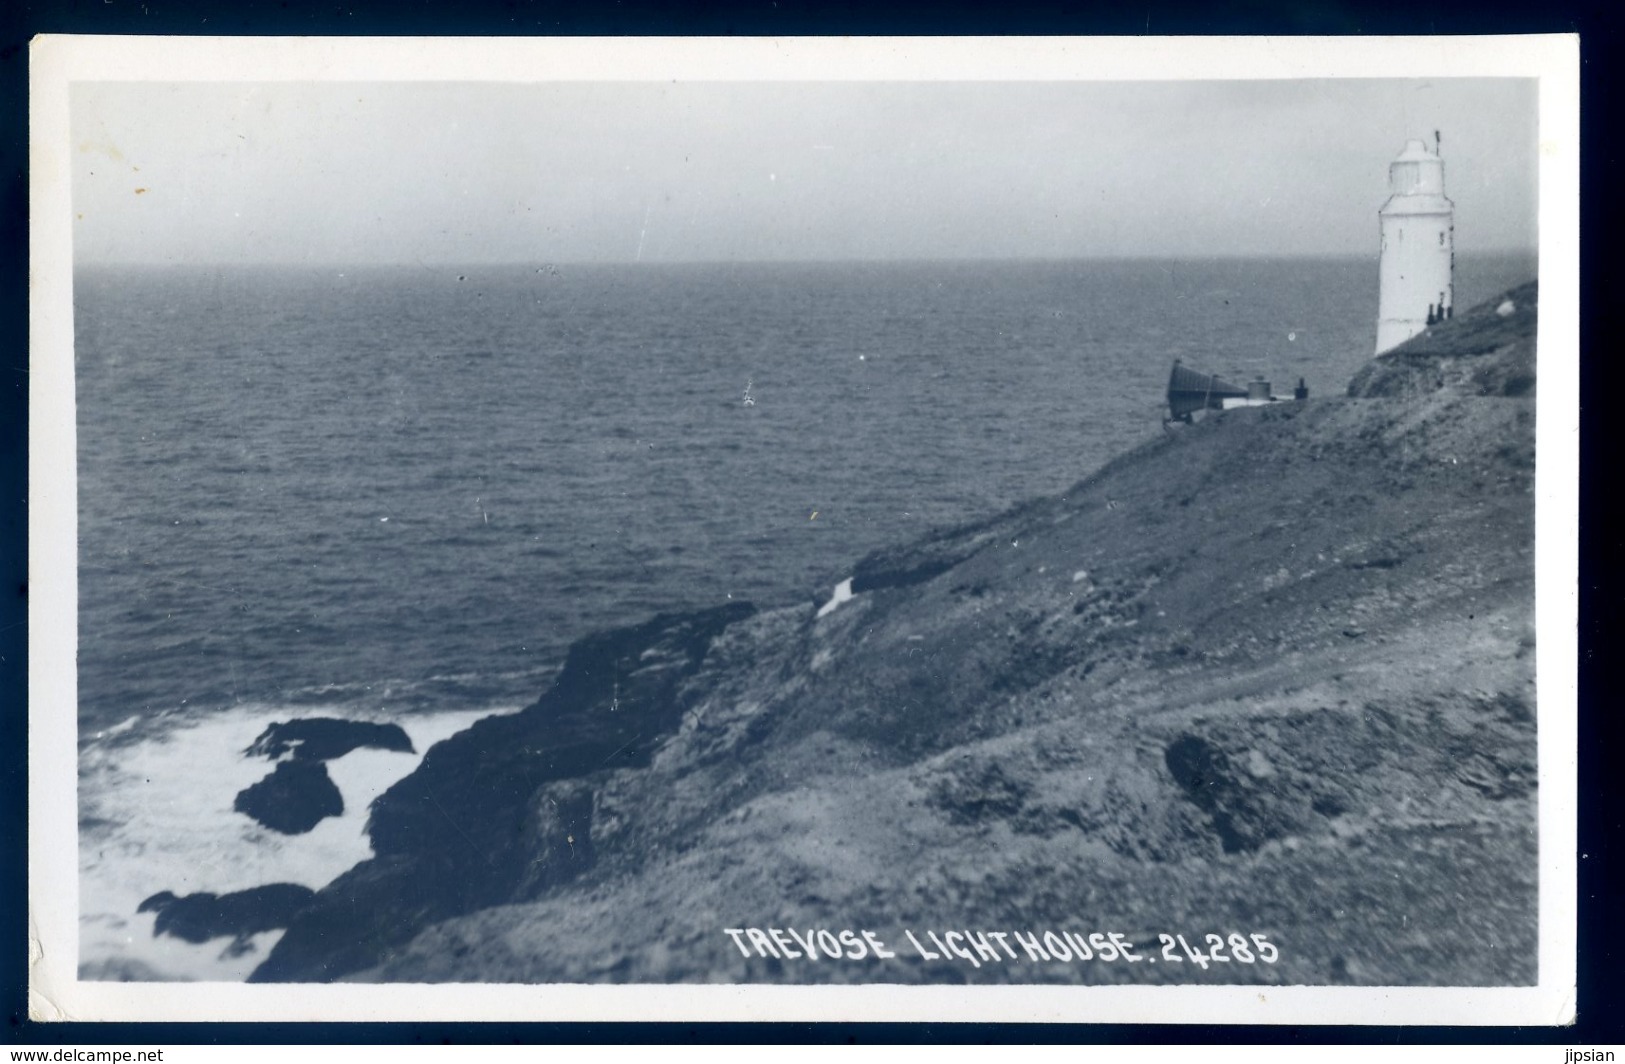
400, 493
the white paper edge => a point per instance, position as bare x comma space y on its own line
55, 992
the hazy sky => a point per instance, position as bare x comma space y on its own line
350, 173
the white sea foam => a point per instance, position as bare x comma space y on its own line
121, 727
156, 814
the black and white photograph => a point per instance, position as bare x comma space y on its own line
748, 518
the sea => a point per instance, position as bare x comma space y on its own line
400, 493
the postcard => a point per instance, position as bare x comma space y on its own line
1017, 529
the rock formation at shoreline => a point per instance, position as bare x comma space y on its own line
327, 738
1270, 673
292, 799
200, 917
497, 810
298, 794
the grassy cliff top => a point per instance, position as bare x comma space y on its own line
1489, 350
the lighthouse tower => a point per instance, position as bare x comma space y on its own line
1418, 247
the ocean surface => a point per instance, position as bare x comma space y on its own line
400, 493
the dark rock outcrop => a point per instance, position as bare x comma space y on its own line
497, 812
292, 799
613, 701
324, 738
1246, 804
298, 794
199, 917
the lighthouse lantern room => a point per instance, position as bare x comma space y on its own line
1418, 247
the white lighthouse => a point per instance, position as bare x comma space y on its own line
1418, 247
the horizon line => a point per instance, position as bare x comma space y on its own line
439, 264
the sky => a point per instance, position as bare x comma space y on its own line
555, 172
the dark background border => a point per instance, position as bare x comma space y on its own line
1601, 903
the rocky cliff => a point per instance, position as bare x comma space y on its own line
1272, 673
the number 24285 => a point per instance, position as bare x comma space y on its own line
1242, 948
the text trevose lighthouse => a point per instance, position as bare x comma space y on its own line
1418, 247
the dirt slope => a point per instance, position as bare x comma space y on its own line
1271, 673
